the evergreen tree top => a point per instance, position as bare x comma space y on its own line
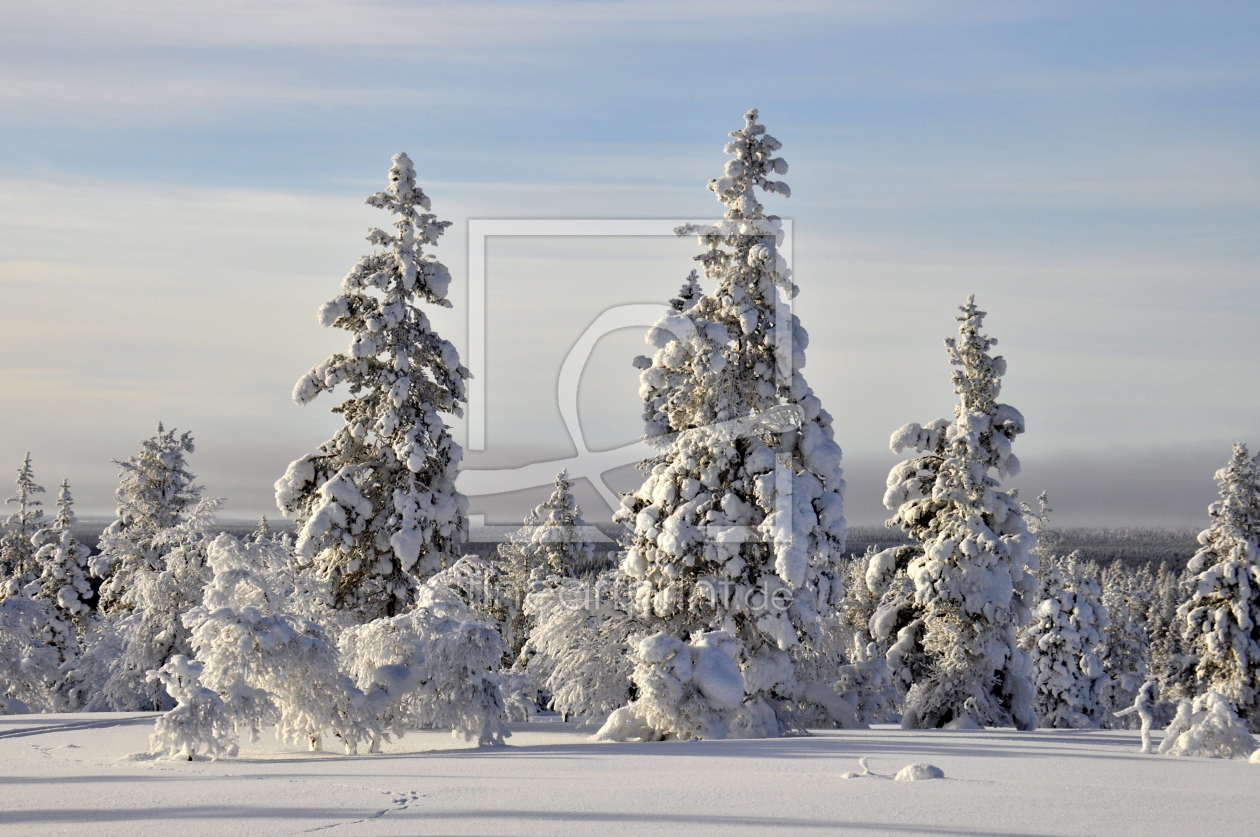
978, 381
29, 511
65, 507
752, 149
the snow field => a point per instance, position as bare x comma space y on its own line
83, 773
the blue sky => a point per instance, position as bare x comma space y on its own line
181, 186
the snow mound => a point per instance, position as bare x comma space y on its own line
1208, 728
919, 772
1255, 757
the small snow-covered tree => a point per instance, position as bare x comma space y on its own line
435, 666
1065, 640
955, 599
376, 505
146, 628
199, 720
17, 553
1221, 618
739, 526
269, 665
579, 649
1208, 727
62, 581
29, 660
553, 541
155, 492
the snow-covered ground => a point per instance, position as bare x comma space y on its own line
85, 774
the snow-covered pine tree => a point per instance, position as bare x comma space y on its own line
1166, 661
376, 506
1221, 618
739, 526
62, 581
17, 553
955, 600
155, 492
1065, 640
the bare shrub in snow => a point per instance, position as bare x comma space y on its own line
376, 505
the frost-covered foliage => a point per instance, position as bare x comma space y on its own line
1066, 641
1208, 728
148, 620
866, 684
29, 660
578, 652
1221, 617
435, 666
17, 554
376, 505
62, 581
553, 541
269, 665
739, 526
198, 722
952, 603
155, 493
689, 690
1166, 660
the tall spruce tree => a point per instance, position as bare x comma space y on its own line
376, 505
955, 599
739, 525
1220, 620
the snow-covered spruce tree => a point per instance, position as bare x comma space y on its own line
1065, 640
1166, 661
155, 492
955, 600
62, 581
376, 506
739, 525
551, 542
17, 553
268, 665
1221, 618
